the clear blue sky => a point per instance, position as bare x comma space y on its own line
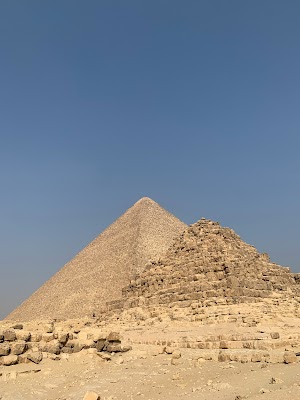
195, 104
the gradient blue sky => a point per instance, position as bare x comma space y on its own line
195, 104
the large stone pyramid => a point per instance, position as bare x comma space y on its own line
208, 265
98, 273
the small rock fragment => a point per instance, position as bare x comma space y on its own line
91, 396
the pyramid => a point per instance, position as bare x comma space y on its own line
217, 295
208, 265
98, 273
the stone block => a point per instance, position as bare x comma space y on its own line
23, 335
9, 335
18, 348
35, 357
4, 349
91, 396
114, 337
289, 357
10, 360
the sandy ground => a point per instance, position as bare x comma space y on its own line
138, 374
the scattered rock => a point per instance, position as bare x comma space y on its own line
35, 357
91, 396
9, 360
289, 357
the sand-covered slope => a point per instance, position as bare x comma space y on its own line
98, 273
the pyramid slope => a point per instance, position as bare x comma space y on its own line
98, 273
209, 265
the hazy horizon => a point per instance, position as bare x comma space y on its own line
194, 104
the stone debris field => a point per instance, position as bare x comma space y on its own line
154, 309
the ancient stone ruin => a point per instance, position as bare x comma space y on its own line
209, 265
52, 340
169, 287
235, 302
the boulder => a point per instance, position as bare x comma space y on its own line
100, 344
289, 357
23, 335
47, 337
35, 357
9, 360
36, 337
4, 349
18, 348
52, 347
91, 396
49, 328
114, 337
63, 337
9, 335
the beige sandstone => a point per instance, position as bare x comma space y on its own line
98, 273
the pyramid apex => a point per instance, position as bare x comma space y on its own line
145, 200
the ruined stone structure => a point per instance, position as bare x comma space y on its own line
98, 273
217, 295
208, 265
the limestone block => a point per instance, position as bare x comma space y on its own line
223, 357
36, 337
52, 347
9, 360
49, 328
9, 335
275, 335
176, 354
4, 349
257, 357
91, 396
114, 337
23, 335
113, 347
47, 337
67, 350
35, 357
168, 350
83, 335
18, 348
289, 357
23, 359
100, 344
62, 337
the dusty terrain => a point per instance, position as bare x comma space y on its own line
140, 375
167, 361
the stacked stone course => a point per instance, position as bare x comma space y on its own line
210, 277
21, 346
208, 265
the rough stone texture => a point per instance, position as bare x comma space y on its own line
98, 273
18, 348
9, 360
62, 340
35, 357
289, 357
4, 349
9, 335
208, 265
